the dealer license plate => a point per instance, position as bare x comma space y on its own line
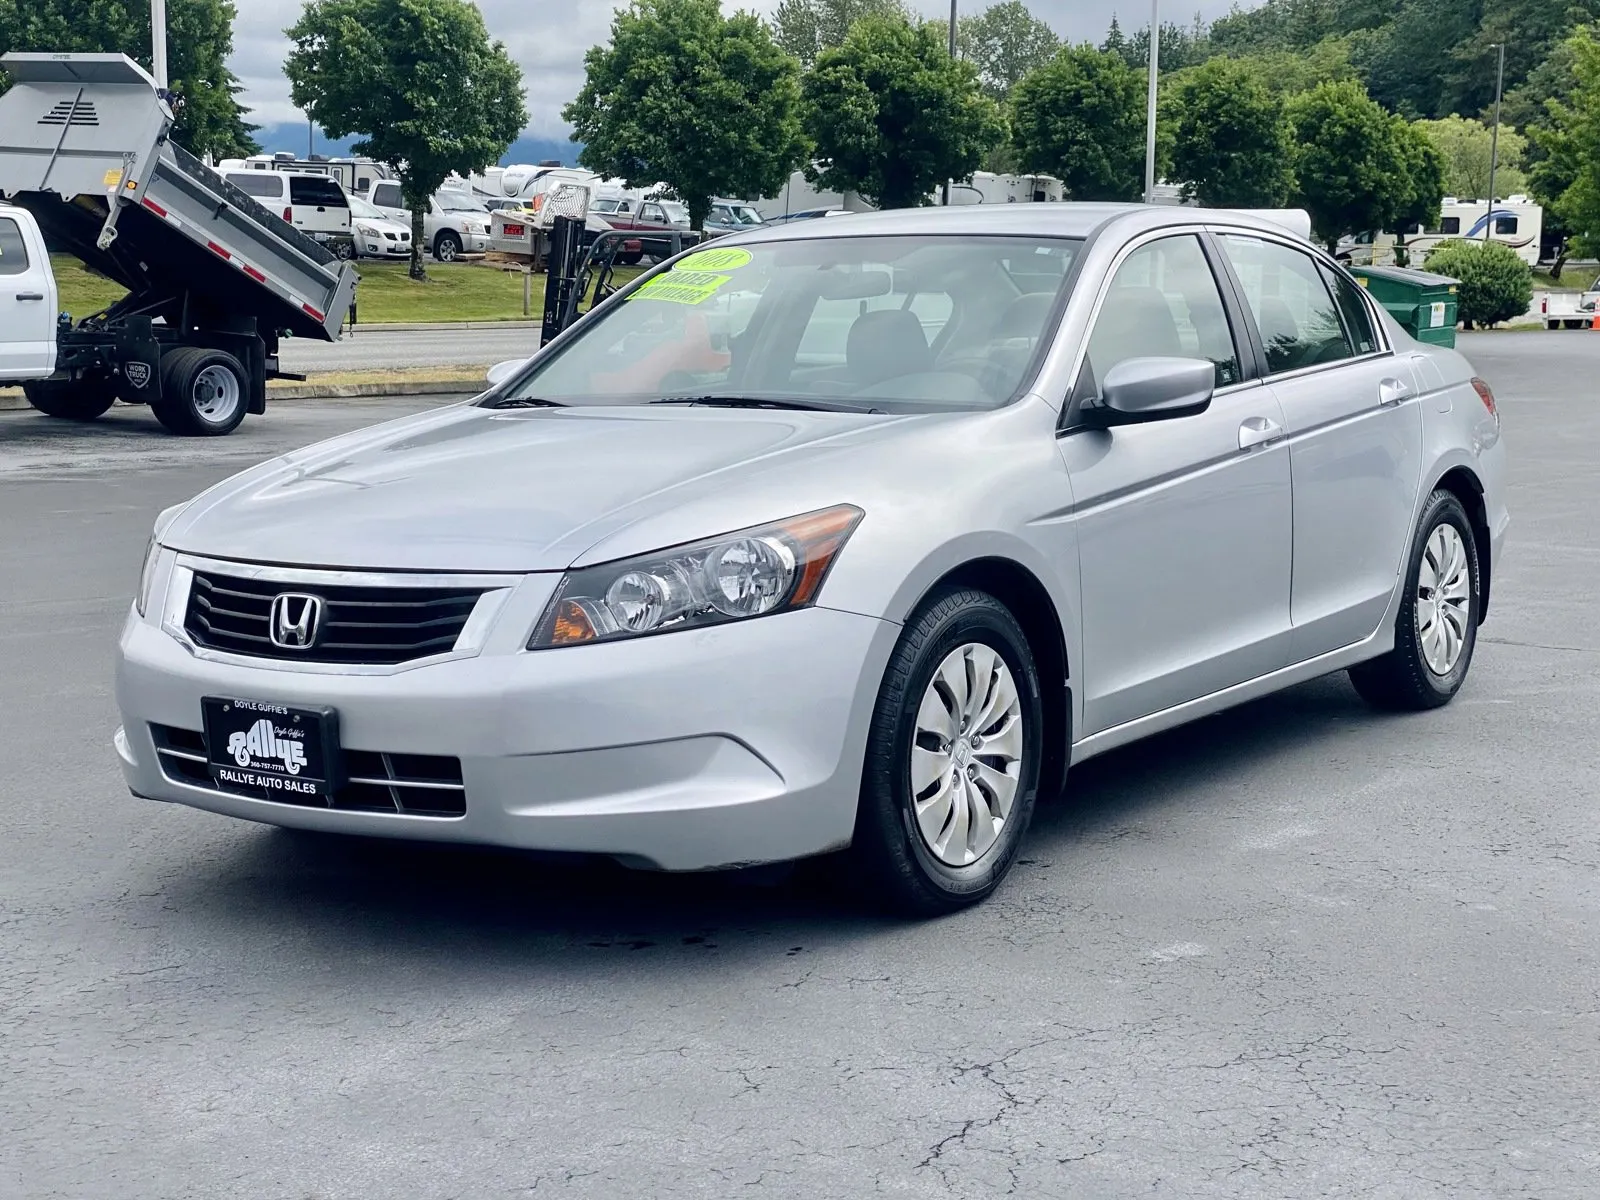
272, 751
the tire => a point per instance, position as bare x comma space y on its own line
204, 393
344, 251
939, 863
1425, 671
447, 246
71, 399
632, 259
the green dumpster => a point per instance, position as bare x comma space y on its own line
1423, 303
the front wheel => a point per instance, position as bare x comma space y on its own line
1437, 627
71, 399
447, 247
204, 393
953, 757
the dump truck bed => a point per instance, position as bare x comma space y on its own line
84, 146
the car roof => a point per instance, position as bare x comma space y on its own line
1039, 219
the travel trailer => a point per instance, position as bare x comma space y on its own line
354, 175
984, 187
1518, 223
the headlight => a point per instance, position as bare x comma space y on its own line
147, 575
752, 573
367, 231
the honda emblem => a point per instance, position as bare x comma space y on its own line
295, 621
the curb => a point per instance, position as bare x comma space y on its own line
442, 326
16, 402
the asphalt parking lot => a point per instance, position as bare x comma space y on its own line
1295, 950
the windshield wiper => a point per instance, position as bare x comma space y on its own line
526, 402
763, 402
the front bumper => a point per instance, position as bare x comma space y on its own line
475, 243
728, 746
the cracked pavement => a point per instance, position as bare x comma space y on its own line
1299, 949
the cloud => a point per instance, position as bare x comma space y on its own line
549, 37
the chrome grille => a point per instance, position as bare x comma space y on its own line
418, 785
382, 626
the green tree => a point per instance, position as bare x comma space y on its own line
892, 115
1081, 118
1290, 72
683, 95
1496, 285
1231, 144
1005, 42
418, 80
1567, 177
1424, 191
1465, 146
199, 41
1351, 171
805, 28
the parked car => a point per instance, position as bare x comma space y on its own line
1570, 310
651, 219
313, 204
377, 235
454, 224
952, 500
732, 216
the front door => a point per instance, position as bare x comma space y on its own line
27, 303
1185, 525
1355, 440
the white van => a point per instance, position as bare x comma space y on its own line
313, 204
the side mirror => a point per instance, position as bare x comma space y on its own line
1138, 390
503, 371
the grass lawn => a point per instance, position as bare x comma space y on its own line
453, 292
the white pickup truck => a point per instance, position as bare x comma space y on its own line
1570, 310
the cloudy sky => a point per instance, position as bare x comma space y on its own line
549, 37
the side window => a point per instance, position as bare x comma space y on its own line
387, 195
1450, 225
653, 212
13, 250
1505, 225
1357, 317
262, 186
1293, 308
1163, 302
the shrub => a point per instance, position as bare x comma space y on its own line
1496, 285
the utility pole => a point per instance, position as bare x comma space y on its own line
158, 41
1150, 105
952, 58
1494, 144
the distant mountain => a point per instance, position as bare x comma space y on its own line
293, 138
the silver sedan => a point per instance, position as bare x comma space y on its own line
840, 536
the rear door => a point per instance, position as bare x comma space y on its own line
1355, 438
27, 302
319, 204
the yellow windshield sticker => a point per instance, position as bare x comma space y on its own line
682, 287
728, 259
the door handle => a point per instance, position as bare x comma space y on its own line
1392, 392
1259, 431
30, 296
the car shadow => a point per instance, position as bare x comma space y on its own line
361, 895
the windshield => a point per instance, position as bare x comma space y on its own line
676, 213
360, 209
898, 324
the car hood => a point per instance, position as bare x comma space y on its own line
474, 489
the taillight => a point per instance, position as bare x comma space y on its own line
288, 215
1486, 396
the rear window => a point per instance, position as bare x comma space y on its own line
312, 189
257, 183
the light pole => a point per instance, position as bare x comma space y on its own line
1150, 104
952, 56
158, 42
1494, 144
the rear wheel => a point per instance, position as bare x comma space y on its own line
71, 399
953, 757
447, 246
1437, 627
203, 392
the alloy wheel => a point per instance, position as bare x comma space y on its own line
1444, 599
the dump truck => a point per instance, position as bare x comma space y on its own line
214, 280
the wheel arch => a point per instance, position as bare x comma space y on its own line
1030, 602
1463, 483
